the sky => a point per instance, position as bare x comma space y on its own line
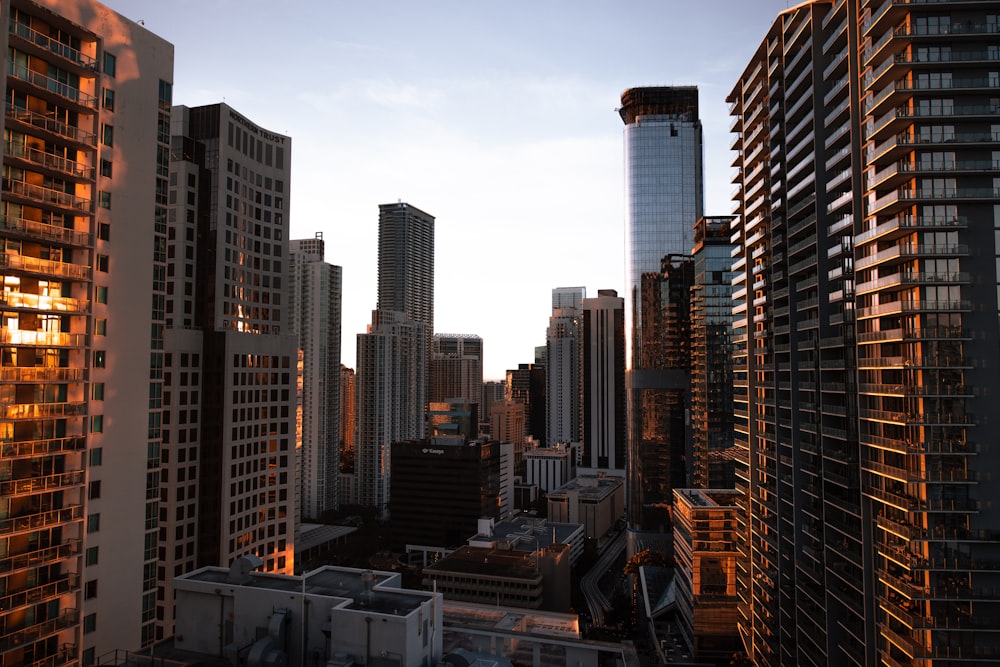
497, 118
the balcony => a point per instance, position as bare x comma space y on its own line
47, 519
14, 562
25, 487
60, 304
904, 224
33, 229
957, 28
35, 631
43, 339
43, 447
19, 411
52, 126
48, 161
42, 195
63, 92
38, 594
45, 267
74, 57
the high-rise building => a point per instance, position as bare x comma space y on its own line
664, 198
493, 391
604, 406
456, 367
526, 385
81, 333
348, 409
713, 453
865, 280
227, 468
391, 376
563, 366
314, 305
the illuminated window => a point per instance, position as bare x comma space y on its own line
100, 358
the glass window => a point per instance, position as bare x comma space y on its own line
106, 168
93, 522
97, 424
109, 99
91, 556
101, 295
97, 391
107, 135
89, 623
110, 64
96, 456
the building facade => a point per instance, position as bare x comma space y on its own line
563, 367
227, 468
314, 304
83, 237
713, 453
864, 281
605, 427
664, 198
456, 367
526, 385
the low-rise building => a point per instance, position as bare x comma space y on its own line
596, 501
551, 467
525, 533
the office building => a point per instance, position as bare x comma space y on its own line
596, 501
227, 463
563, 368
441, 487
551, 467
664, 198
493, 391
568, 297
455, 417
526, 385
82, 211
705, 544
604, 400
713, 453
391, 378
314, 305
526, 534
864, 277
456, 368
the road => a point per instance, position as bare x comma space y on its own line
597, 602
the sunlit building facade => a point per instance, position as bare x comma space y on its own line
314, 304
227, 472
456, 367
663, 199
83, 233
865, 280
563, 368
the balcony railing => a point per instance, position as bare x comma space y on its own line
30, 522
64, 50
46, 339
51, 125
41, 593
44, 302
49, 160
13, 562
46, 195
35, 631
52, 85
41, 447
46, 266
44, 231
20, 487
43, 410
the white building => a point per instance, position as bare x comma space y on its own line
81, 331
563, 368
314, 302
551, 467
329, 616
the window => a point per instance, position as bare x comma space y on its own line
90, 590
104, 231
104, 199
91, 555
110, 64
94, 489
101, 327
96, 456
100, 358
93, 523
102, 263
89, 623
109, 99
107, 135
97, 424
97, 391
101, 295
106, 168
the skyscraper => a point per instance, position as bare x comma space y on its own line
314, 305
664, 195
563, 367
865, 290
80, 375
604, 413
714, 457
526, 385
456, 367
406, 263
229, 391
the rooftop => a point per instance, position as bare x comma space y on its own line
526, 534
593, 487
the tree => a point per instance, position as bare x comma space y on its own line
645, 557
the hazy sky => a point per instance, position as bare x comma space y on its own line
497, 118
